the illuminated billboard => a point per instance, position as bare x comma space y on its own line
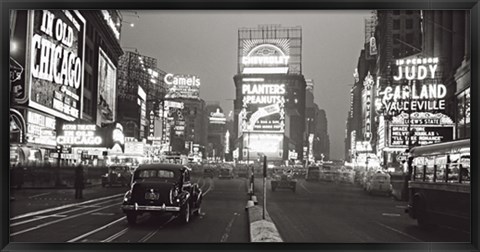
421, 91
107, 77
265, 56
263, 107
182, 86
55, 74
270, 145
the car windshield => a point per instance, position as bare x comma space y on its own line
154, 173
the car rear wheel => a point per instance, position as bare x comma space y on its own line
131, 218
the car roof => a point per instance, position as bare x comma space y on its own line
173, 167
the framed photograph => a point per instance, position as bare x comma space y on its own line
239, 125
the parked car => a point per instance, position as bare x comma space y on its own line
379, 184
117, 175
161, 189
283, 180
226, 172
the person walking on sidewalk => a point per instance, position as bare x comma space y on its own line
79, 185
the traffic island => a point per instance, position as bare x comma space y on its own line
261, 230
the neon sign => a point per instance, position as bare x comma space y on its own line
416, 68
182, 80
413, 97
81, 134
265, 54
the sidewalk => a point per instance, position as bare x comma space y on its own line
29, 200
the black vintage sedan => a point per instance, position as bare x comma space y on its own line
160, 189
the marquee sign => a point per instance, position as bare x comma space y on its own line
426, 128
79, 135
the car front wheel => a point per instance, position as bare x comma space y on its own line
185, 214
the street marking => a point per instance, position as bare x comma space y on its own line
391, 214
399, 232
103, 214
151, 234
303, 186
228, 228
38, 195
115, 236
402, 207
59, 220
52, 216
63, 207
36, 218
96, 230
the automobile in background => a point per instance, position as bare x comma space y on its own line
313, 173
328, 173
161, 189
379, 183
226, 172
283, 179
117, 176
208, 173
346, 176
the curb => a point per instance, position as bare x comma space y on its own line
261, 230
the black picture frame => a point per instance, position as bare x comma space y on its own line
472, 5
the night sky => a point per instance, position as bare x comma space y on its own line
204, 43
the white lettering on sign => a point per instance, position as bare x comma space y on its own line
265, 60
182, 80
411, 69
79, 140
56, 63
264, 55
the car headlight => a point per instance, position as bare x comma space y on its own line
128, 196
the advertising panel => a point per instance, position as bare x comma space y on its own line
40, 129
421, 91
107, 76
265, 56
18, 47
56, 60
182, 86
270, 145
427, 128
263, 107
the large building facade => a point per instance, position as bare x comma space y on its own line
270, 93
62, 80
418, 83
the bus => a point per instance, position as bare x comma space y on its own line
439, 186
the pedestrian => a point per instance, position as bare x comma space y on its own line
79, 185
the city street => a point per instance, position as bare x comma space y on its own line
343, 213
223, 219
